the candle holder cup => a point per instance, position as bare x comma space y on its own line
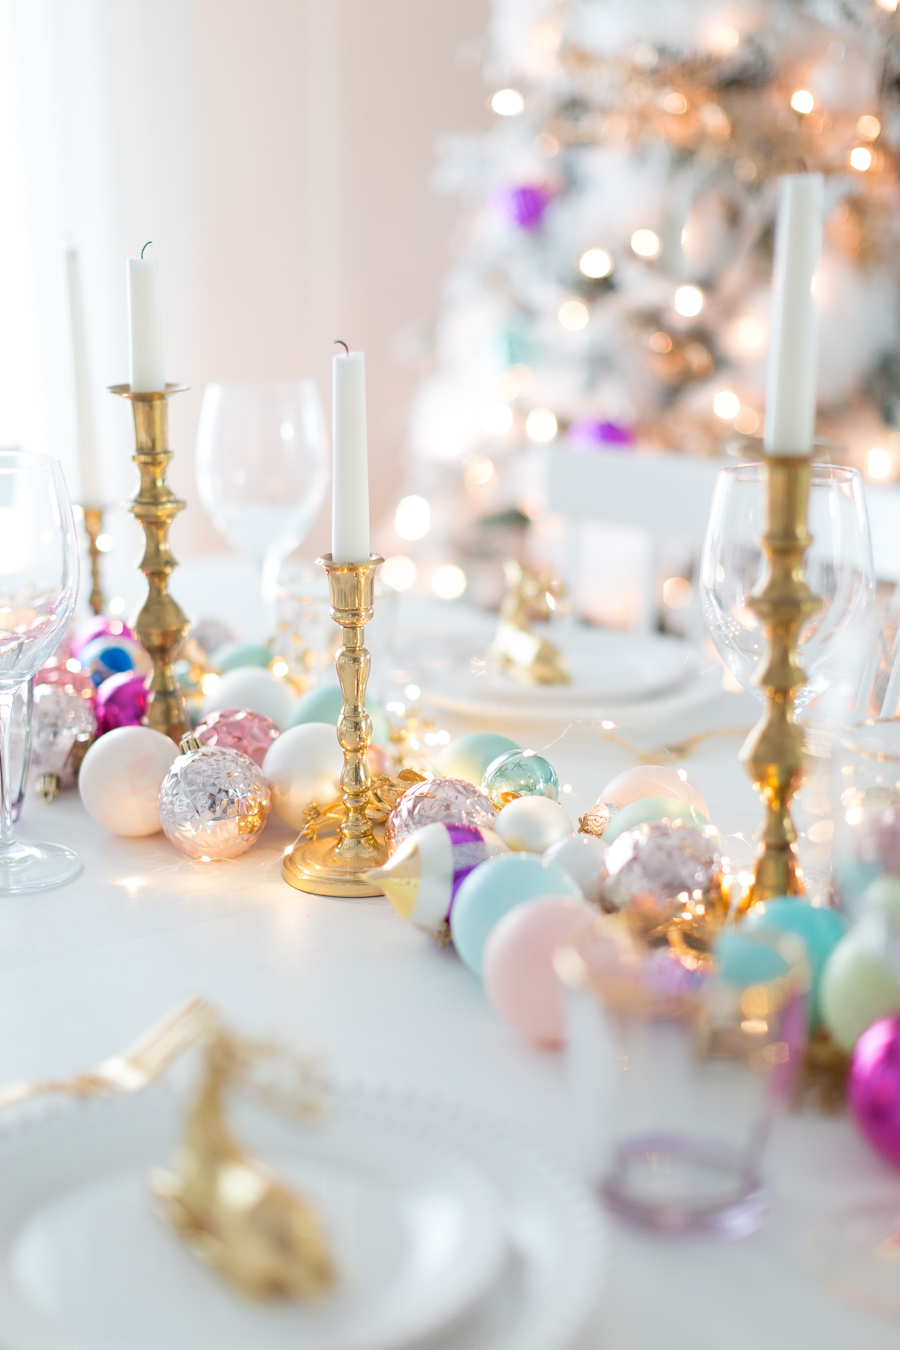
161, 625
338, 865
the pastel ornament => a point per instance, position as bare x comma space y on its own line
213, 802
819, 929
326, 704
303, 767
496, 887
120, 778
658, 868
519, 773
448, 800
101, 625
648, 810
858, 986
883, 895
873, 1089
240, 655
532, 824
254, 689
422, 877
519, 978
651, 780
582, 856
469, 756
250, 733
121, 702
112, 656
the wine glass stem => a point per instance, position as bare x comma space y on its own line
7, 792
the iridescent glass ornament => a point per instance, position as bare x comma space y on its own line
519, 773
660, 868
444, 801
64, 726
213, 802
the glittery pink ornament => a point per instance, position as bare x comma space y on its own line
874, 1087
237, 729
75, 680
447, 801
658, 867
121, 702
100, 626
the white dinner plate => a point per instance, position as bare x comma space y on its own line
413, 1223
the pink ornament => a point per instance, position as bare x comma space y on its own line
100, 626
437, 801
121, 702
518, 965
251, 733
71, 680
651, 780
874, 1087
379, 760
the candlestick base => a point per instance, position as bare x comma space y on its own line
329, 867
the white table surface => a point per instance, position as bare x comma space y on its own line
85, 967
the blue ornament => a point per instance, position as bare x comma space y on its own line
325, 704
469, 756
650, 809
519, 773
105, 656
820, 929
237, 655
494, 888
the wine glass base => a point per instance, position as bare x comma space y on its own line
34, 867
855, 1254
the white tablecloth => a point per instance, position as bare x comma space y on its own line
85, 967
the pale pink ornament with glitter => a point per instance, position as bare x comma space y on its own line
250, 733
438, 801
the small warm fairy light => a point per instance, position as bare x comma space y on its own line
860, 159
607, 725
78, 512
478, 473
204, 857
726, 405
507, 102
595, 263
645, 243
889, 5
413, 691
682, 774
449, 582
73, 666
279, 669
104, 542
747, 422
398, 572
497, 418
210, 683
117, 628
116, 605
412, 519
880, 463
541, 425
802, 101
443, 738
574, 314
677, 593
724, 39
546, 145
688, 301
675, 103
567, 787
659, 342
868, 127
749, 333
545, 38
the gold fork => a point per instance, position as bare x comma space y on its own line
133, 1069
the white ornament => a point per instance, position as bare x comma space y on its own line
303, 766
532, 824
120, 778
256, 690
581, 855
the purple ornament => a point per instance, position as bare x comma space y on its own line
121, 701
587, 433
100, 626
237, 729
422, 876
523, 206
444, 801
874, 1087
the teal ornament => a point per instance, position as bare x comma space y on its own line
469, 757
493, 889
650, 809
325, 705
519, 773
237, 655
820, 930
742, 961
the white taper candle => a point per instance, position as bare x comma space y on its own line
350, 466
88, 460
145, 348
791, 383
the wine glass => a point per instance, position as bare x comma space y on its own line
262, 467
839, 571
38, 587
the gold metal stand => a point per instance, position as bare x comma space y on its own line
93, 527
337, 866
161, 624
773, 752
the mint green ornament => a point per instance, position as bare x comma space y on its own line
651, 809
324, 705
469, 756
238, 655
519, 773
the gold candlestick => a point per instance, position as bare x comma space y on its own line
161, 624
93, 526
337, 866
773, 752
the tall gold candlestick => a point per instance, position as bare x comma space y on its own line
337, 866
93, 526
773, 752
161, 624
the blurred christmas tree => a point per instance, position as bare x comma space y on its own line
612, 288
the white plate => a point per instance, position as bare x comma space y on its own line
413, 1223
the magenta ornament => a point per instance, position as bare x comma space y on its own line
121, 701
438, 801
250, 733
874, 1087
100, 626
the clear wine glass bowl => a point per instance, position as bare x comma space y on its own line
38, 588
839, 571
262, 467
